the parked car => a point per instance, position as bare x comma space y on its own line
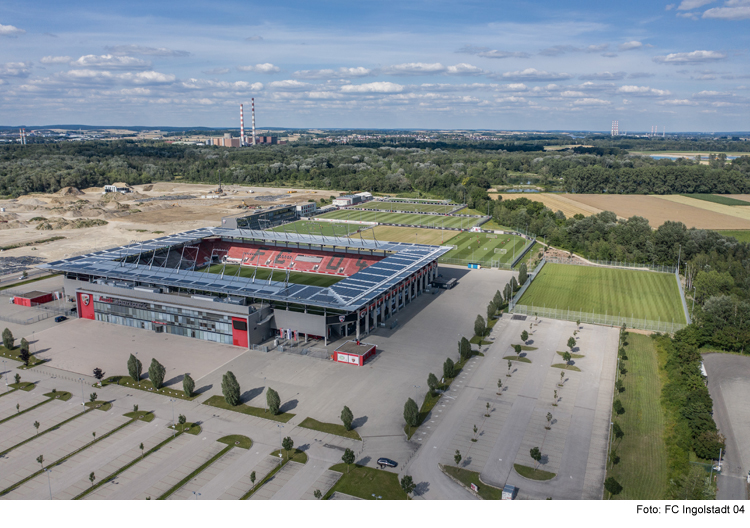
386, 462
60, 318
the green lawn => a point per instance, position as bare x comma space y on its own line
220, 402
518, 358
485, 247
467, 478
240, 441
308, 227
294, 455
607, 291
741, 236
146, 386
363, 482
717, 198
531, 473
403, 207
16, 353
435, 221
335, 429
642, 469
296, 277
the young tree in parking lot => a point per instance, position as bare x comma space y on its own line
433, 383
411, 413
135, 368
536, 455
36, 426
40, 459
288, 444
479, 326
510, 365
571, 343
230, 388
8, 339
407, 484
99, 374
188, 385
464, 348
524, 336
252, 478
498, 298
273, 400
92, 478
499, 387
491, 311
24, 356
141, 448
517, 349
181, 419
17, 377
567, 357
348, 458
24, 344
457, 457
347, 418
156, 372
92, 397
449, 369
317, 494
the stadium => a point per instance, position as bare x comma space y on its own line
243, 286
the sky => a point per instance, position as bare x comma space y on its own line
498, 65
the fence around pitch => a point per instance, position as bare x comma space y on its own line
601, 319
611, 264
483, 263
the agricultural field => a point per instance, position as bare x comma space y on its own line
433, 221
407, 207
741, 236
607, 291
415, 235
308, 227
642, 452
730, 211
310, 279
556, 202
718, 198
483, 247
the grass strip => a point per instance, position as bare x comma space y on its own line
533, 474
364, 482
268, 477
334, 429
197, 471
240, 441
19, 413
127, 466
467, 478
297, 455
220, 402
24, 386
146, 386
477, 340
528, 348
518, 358
15, 355
566, 367
63, 459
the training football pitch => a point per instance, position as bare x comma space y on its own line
307, 227
409, 207
607, 291
483, 247
309, 279
433, 221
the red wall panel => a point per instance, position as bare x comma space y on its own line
239, 336
85, 305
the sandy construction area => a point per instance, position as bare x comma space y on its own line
556, 202
658, 210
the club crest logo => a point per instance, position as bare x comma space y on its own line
86, 298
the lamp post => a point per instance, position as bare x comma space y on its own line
196, 495
6, 376
83, 402
174, 425
49, 481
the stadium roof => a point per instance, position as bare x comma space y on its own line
349, 294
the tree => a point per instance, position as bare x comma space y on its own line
464, 348
617, 430
571, 343
479, 326
620, 386
612, 486
562, 376
17, 377
524, 336
432, 382
448, 369
567, 357
491, 310
488, 409
523, 274
457, 457
618, 407
273, 401
40, 459
188, 385
92, 397
288, 444
8, 339
135, 407
230, 388
317, 494
252, 478
536, 455
99, 374
498, 299
510, 365
25, 356
407, 484
181, 419
348, 458
156, 372
347, 418
24, 344
578, 323
549, 421
411, 413
135, 368
141, 448
36, 426
499, 387
517, 349
92, 478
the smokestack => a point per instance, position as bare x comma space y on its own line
242, 127
253, 104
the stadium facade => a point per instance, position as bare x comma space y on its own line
162, 285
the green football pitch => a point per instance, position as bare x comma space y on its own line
308, 227
434, 221
309, 279
484, 247
408, 207
607, 291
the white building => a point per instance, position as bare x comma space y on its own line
305, 209
115, 188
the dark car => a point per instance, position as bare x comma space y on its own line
60, 318
383, 462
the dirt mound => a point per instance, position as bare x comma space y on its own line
121, 185
69, 191
147, 188
31, 201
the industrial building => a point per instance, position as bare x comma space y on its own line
352, 199
262, 218
162, 285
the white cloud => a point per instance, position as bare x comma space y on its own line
591, 102
732, 10
414, 68
572, 93
15, 69
463, 69
341, 73
630, 45
266, 67
640, 75
289, 84
691, 57
55, 60
373, 87
488, 53
148, 77
254, 38
217, 71
111, 62
11, 31
603, 76
555, 51
534, 75
642, 90
132, 49
687, 5
678, 102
